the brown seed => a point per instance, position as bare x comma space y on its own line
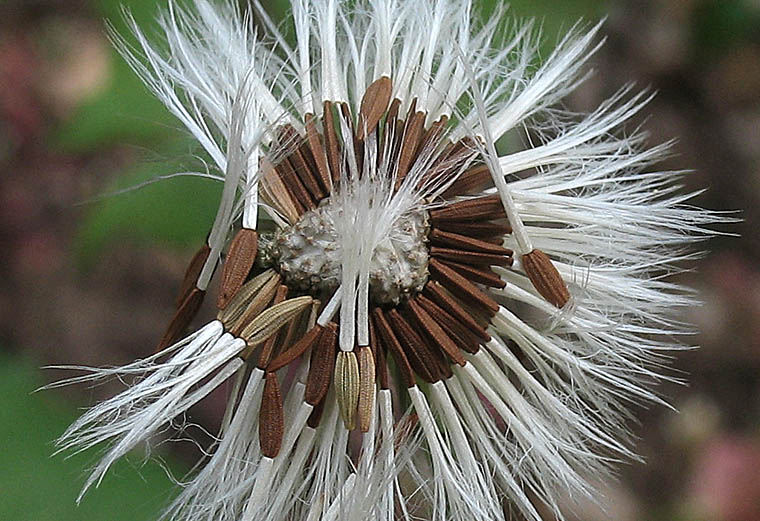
366, 387
485, 230
316, 415
435, 333
463, 242
378, 350
358, 144
181, 319
479, 275
390, 125
300, 163
275, 193
388, 338
472, 180
294, 184
237, 265
461, 287
479, 209
268, 348
410, 144
332, 147
296, 328
192, 273
459, 333
438, 294
545, 278
421, 357
271, 417
307, 173
299, 348
374, 103
436, 130
470, 257
318, 151
393, 111
321, 365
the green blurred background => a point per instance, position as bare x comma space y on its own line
91, 281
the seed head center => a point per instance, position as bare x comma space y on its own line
308, 255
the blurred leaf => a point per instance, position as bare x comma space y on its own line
125, 110
555, 18
177, 211
722, 24
38, 487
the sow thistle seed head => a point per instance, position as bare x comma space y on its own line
415, 326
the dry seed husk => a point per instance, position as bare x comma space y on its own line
268, 348
347, 387
318, 151
276, 194
259, 303
242, 298
272, 319
366, 388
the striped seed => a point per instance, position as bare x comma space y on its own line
366, 387
347, 387
321, 365
237, 265
545, 278
271, 417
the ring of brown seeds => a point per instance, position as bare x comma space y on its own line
426, 327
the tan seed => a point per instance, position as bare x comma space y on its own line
272, 319
347, 387
366, 387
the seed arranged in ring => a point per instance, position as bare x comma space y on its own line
429, 304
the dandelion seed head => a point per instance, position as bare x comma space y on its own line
425, 334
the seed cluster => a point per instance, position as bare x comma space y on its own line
308, 256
